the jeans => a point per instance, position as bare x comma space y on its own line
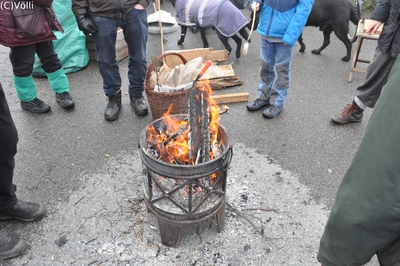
135, 30
275, 56
8, 144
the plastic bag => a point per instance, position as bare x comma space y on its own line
70, 46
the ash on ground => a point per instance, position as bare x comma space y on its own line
271, 219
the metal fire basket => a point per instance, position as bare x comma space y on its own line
180, 195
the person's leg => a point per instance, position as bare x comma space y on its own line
135, 30
267, 76
10, 243
280, 87
22, 59
367, 94
8, 144
365, 217
104, 40
58, 81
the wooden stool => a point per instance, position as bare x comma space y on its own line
361, 35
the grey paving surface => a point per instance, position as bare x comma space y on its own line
281, 183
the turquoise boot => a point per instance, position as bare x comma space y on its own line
59, 83
26, 92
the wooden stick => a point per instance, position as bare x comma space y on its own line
231, 98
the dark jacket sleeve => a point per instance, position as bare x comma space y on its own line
80, 7
381, 11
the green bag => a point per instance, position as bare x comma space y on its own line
70, 46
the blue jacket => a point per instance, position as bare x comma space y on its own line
283, 19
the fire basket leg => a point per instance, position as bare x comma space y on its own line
220, 217
170, 233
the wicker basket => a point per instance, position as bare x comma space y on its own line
159, 102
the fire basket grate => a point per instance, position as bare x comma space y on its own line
184, 194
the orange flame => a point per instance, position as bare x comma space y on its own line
176, 149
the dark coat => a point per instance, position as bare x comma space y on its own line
8, 26
106, 8
388, 11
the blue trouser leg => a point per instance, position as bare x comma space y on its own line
275, 56
104, 41
135, 30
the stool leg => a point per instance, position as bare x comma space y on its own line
355, 57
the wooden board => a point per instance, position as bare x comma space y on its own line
231, 97
217, 71
225, 82
206, 53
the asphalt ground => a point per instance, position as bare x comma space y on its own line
282, 181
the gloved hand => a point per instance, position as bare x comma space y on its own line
86, 25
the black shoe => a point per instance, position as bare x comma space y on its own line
65, 100
350, 113
36, 106
24, 211
257, 105
139, 105
11, 245
113, 107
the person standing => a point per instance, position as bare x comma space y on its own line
280, 25
365, 217
367, 94
10, 206
101, 19
30, 35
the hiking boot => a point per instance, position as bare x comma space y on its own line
24, 211
139, 105
272, 111
113, 107
36, 106
350, 113
257, 104
11, 245
65, 100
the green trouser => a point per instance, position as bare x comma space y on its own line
365, 218
26, 87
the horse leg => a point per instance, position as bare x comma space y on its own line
183, 34
238, 42
225, 42
203, 34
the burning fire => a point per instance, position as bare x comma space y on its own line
171, 143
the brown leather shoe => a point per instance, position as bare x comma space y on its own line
350, 113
